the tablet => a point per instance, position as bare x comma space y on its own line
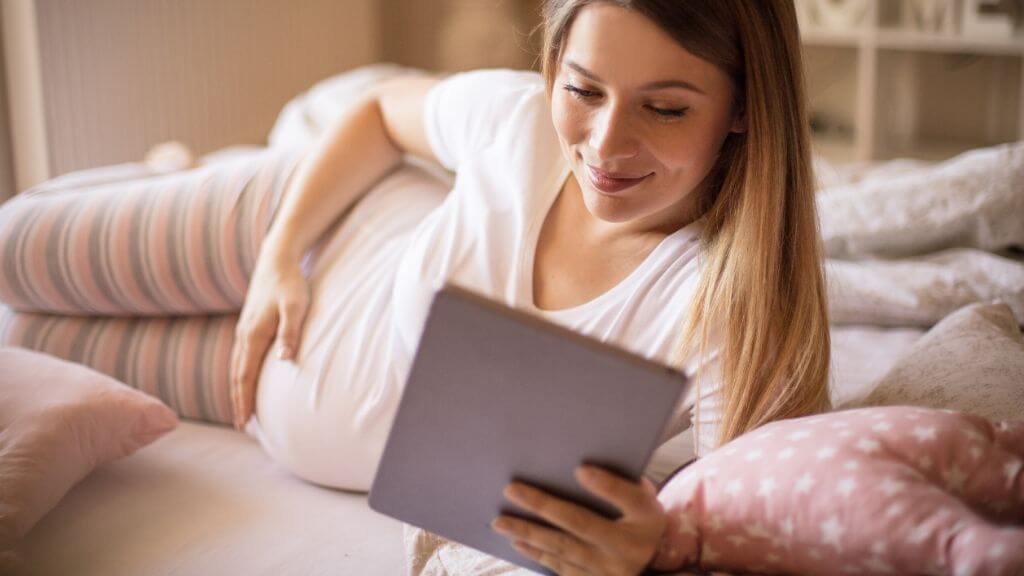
496, 394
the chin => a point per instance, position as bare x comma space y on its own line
605, 208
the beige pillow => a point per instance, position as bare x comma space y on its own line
59, 421
972, 361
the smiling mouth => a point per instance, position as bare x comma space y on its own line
609, 184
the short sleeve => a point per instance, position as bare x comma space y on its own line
465, 112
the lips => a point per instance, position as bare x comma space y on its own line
611, 182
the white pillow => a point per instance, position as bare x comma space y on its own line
921, 291
972, 361
973, 200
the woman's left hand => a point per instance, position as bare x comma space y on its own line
588, 543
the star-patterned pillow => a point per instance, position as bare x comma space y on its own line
888, 490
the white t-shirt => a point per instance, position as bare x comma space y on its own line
327, 416
493, 128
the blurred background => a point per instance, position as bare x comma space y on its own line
87, 83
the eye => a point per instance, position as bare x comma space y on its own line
579, 93
669, 112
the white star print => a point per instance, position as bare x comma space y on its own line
918, 535
715, 522
954, 479
845, 433
879, 548
708, 554
839, 424
894, 510
786, 453
826, 453
847, 486
686, 526
832, 531
890, 486
754, 455
758, 531
882, 427
766, 487
799, 435
997, 551
1011, 468
737, 540
867, 445
787, 527
711, 472
805, 483
851, 465
974, 435
733, 487
924, 433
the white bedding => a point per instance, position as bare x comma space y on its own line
206, 500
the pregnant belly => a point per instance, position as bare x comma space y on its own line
325, 416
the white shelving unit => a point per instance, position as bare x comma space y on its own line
884, 91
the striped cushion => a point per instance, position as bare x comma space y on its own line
182, 243
182, 361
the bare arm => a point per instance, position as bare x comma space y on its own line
367, 142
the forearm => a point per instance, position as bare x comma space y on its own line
350, 157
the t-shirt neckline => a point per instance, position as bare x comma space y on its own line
527, 260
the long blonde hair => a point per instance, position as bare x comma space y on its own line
763, 277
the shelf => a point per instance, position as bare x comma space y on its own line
911, 40
817, 36
899, 39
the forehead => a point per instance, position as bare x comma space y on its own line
625, 48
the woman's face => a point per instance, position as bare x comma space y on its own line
630, 101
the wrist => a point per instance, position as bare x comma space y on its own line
280, 249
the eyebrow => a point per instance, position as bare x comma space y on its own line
651, 86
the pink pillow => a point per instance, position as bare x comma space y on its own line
58, 421
895, 490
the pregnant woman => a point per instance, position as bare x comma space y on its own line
651, 188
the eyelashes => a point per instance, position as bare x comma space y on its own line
589, 95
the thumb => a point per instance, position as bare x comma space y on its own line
289, 329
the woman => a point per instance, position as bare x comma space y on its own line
665, 150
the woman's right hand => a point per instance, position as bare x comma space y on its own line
275, 306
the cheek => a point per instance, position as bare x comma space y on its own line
569, 121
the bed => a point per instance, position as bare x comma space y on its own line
205, 499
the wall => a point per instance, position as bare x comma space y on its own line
6, 157
453, 35
119, 76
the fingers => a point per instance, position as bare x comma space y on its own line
293, 313
571, 517
556, 547
251, 347
632, 498
549, 560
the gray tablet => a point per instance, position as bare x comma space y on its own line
496, 394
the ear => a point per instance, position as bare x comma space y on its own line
739, 123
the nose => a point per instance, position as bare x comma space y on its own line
611, 137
